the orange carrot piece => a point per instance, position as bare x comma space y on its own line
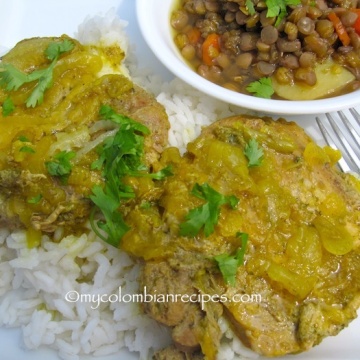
210, 48
340, 29
357, 22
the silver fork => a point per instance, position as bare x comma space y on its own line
341, 130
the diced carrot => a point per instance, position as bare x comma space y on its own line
193, 35
210, 48
340, 29
357, 22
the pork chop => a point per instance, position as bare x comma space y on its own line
68, 120
302, 219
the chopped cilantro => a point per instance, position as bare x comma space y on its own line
23, 138
278, 8
160, 175
113, 224
7, 107
27, 149
205, 216
35, 200
250, 6
119, 156
261, 88
253, 153
228, 264
55, 49
12, 78
45, 79
61, 166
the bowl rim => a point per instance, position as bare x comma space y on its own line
153, 18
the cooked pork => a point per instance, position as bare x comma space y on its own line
67, 120
302, 258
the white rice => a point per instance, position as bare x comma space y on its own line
34, 282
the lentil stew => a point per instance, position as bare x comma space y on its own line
282, 49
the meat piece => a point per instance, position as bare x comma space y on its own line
67, 120
172, 353
280, 324
191, 322
301, 273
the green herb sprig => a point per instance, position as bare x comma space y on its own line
8, 106
205, 216
12, 78
228, 264
278, 8
35, 199
254, 153
60, 166
261, 88
119, 156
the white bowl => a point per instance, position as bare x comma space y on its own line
154, 22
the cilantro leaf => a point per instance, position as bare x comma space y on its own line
7, 107
159, 175
253, 153
23, 138
108, 113
45, 81
12, 79
61, 166
119, 156
250, 6
55, 49
114, 225
278, 8
162, 174
228, 264
35, 200
27, 149
195, 220
261, 88
228, 267
205, 216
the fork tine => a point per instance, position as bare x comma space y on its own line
355, 114
344, 137
329, 141
354, 134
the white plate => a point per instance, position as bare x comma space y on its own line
23, 18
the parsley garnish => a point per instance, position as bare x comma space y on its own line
27, 149
279, 8
119, 156
160, 175
12, 79
250, 6
36, 199
206, 215
113, 224
7, 107
261, 88
23, 138
61, 166
228, 264
253, 153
